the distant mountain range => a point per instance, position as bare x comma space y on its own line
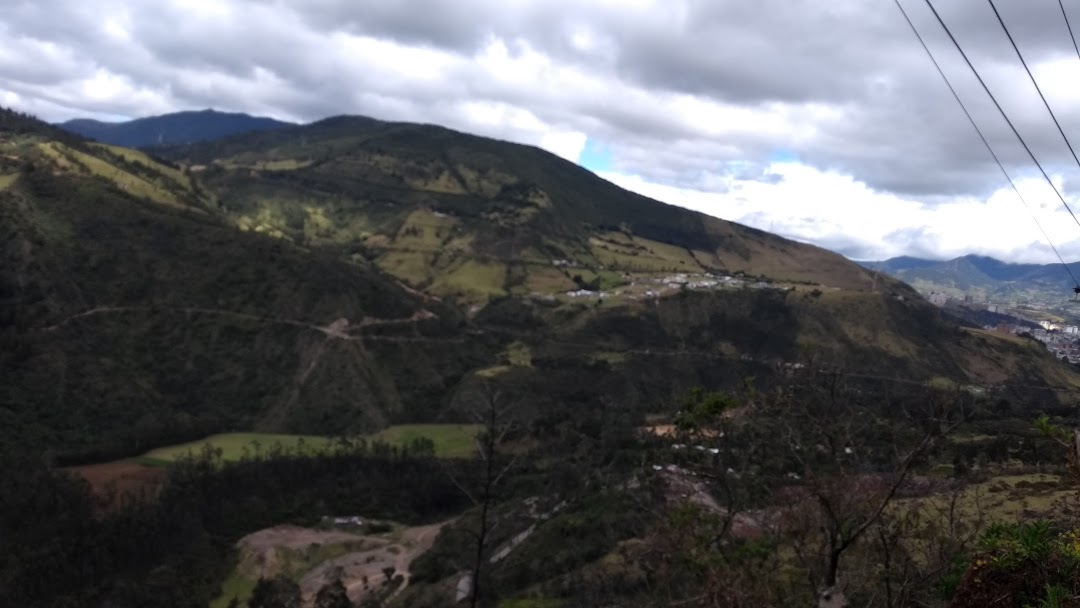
980, 275
171, 129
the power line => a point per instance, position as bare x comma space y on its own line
982, 137
1033, 81
1069, 25
1002, 111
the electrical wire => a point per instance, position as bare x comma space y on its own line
1034, 82
1069, 25
982, 137
1016, 132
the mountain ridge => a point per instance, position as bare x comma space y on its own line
1047, 286
509, 199
171, 129
991, 266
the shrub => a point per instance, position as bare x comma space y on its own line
1026, 564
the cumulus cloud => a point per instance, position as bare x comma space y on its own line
691, 101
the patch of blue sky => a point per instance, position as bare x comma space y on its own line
783, 155
595, 156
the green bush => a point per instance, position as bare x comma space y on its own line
1028, 564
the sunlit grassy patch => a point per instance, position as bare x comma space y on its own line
451, 441
129, 182
619, 251
136, 156
234, 446
236, 586
408, 265
547, 280
472, 276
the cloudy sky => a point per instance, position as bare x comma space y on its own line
821, 121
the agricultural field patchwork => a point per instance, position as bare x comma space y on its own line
623, 252
135, 156
136, 185
472, 276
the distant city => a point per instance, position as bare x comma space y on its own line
1052, 324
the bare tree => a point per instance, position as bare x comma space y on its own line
814, 463
497, 414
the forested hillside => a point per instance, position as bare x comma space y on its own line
136, 317
139, 315
698, 405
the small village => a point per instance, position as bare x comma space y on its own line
650, 287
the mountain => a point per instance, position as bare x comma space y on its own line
537, 245
350, 274
985, 278
170, 129
901, 263
340, 277
131, 314
464, 215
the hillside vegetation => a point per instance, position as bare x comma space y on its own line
709, 414
132, 317
448, 441
461, 214
136, 313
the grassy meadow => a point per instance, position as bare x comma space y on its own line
451, 441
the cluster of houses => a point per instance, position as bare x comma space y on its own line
944, 299
1061, 345
566, 264
696, 281
585, 293
347, 520
1062, 341
657, 285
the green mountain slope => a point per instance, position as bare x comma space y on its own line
132, 316
134, 312
460, 214
477, 218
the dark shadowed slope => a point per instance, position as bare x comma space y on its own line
131, 316
170, 129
